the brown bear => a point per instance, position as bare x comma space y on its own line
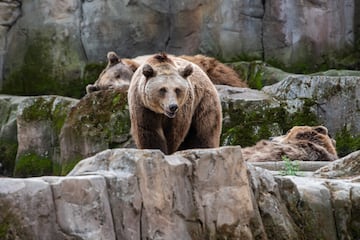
218, 72
118, 72
304, 143
173, 106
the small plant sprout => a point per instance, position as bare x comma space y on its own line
290, 167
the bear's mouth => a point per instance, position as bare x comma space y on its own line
170, 114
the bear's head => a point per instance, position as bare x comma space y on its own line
317, 135
167, 87
116, 73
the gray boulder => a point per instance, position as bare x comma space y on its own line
332, 99
29, 132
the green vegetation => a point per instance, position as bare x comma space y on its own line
246, 125
10, 224
40, 109
67, 167
8, 152
31, 165
290, 167
101, 119
346, 142
43, 71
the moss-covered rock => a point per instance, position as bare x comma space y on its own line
10, 223
31, 164
8, 152
346, 142
49, 66
98, 122
258, 73
39, 122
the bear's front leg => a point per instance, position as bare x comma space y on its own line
151, 139
147, 130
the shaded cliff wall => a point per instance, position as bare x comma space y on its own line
48, 45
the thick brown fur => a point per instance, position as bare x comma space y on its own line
163, 82
116, 73
218, 72
300, 143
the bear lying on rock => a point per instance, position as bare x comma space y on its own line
300, 143
118, 72
173, 106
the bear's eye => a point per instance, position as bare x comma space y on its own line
178, 91
117, 76
162, 91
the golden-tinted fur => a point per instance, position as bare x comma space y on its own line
300, 143
166, 81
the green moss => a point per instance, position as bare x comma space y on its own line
346, 142
50, 67
92, 72
31, 164
8, 152
40, 109
56, 169
246, 125
259, 74
59, 114
34, 75
304, 116
101, 112
255, 77
10, 224
67, 167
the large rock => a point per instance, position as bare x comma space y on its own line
301, 34
54, 208
30, 129
343, 168
192, 194
136, 194
333, 99
97, 122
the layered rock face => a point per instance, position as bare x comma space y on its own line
56, 39
193, 194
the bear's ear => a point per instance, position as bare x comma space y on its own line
112, 58
321, 129
148, 71
187, 71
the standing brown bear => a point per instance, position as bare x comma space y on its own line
173, 106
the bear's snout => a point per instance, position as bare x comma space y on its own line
173, 107
171, 110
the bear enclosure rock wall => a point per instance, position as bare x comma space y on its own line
47, 45
193, 194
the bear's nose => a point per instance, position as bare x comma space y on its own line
173, 107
